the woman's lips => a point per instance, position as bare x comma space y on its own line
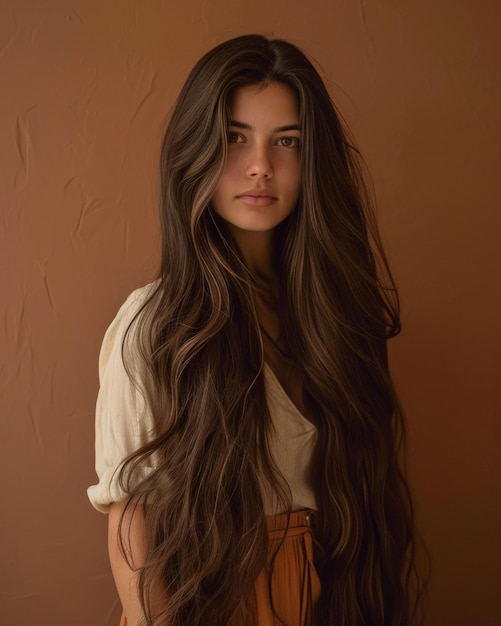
257, 198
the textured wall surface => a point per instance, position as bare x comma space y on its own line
86, 89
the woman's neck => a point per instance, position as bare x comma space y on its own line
257, 252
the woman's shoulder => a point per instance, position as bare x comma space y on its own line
124, 320
138, 298
133, 304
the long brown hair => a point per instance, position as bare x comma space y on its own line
200, 356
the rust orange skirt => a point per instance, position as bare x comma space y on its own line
295, 585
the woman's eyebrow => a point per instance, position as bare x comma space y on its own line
279, 129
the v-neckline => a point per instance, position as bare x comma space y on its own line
290, 402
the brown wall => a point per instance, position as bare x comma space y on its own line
86, 86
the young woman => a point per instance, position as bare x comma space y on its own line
248, 432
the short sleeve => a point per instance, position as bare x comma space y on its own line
124, 422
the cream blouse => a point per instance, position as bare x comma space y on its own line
124, 423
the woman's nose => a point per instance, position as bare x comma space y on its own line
259, 163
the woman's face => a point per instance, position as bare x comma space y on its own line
260, 183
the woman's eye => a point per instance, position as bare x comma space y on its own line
289, 142
233, 137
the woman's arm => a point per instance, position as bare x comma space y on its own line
126, 579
